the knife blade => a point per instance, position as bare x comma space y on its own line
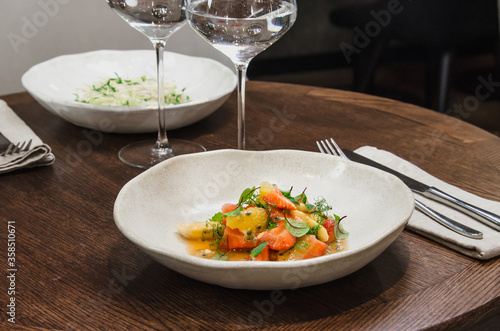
486, 217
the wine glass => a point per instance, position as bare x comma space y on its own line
157, 20
241, 29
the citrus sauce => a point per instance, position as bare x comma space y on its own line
206, 249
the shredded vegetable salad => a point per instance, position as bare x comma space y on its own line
267, 224
141, 91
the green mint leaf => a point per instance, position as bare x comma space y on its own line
296, 228
339, 231
257, 250
245, 195
301, 197
217, 218
235, 212
288, 195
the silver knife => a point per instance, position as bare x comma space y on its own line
430, 192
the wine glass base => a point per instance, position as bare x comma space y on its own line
144, 155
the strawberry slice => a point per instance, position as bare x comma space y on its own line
313, 247
276, 214
329, 226
228, 207
278, 238
235, 239
277, 199
263, 256
305, 248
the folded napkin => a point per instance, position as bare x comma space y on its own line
483, 249
14, 129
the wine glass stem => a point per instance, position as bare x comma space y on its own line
242, 73
162, 145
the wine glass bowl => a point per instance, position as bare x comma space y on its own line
157, 20
241, 32
241, 29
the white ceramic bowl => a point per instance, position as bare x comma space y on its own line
194, 187
55, 82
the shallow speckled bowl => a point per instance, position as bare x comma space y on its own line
55, 82
194, 187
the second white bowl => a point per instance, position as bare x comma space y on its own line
55, 82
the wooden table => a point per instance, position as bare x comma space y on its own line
77, 271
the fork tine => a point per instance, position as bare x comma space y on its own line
338, 150
332, 149
19, 148
11, 150
326, 148
16, 148
27, 146
320, 147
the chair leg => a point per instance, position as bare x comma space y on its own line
438, 81
444, 81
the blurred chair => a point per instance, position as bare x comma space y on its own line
438, 28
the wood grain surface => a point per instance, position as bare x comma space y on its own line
77, 271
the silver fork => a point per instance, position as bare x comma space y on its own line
17, 148
331, 147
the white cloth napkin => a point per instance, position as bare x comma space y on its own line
483, 249
14, 129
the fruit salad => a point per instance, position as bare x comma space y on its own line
267, 224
